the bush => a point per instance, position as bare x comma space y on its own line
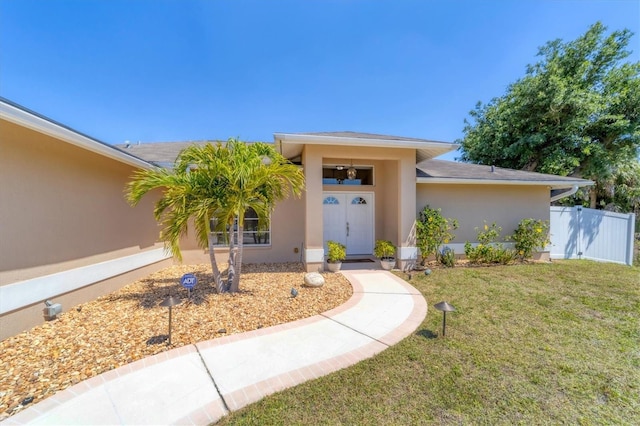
432, 231
337, 252
447, 257
531, 235
384, 249
488, 250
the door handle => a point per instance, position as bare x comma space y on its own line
347, 229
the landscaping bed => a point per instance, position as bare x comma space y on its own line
129, 324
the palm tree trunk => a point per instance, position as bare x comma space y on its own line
217, 277
232, 255
235, 282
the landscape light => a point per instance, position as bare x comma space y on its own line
444, 307
170, 302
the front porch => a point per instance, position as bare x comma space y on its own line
356, 210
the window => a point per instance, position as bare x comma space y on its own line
331, 200
253, 234
337, 175
358, 200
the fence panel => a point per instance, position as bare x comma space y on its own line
581, 233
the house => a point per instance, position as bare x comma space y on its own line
394, 178
67, 233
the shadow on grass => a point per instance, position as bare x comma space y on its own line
427, 334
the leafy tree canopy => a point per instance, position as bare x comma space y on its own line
217, 184
576, 112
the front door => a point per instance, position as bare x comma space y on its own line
348, 219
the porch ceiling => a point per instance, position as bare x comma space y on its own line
292, 144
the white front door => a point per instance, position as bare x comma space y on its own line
348, 219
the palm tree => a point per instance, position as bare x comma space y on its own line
217, 184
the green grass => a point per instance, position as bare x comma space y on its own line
528, 344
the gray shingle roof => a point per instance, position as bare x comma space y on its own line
437, 171
441, 171
160, 153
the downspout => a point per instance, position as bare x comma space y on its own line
565, 194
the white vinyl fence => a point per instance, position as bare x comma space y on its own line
581, 233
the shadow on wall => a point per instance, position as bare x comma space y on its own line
584, 227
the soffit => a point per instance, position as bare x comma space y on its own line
291, 145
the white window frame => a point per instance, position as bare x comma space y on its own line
222, 236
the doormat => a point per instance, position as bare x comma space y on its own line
357, 261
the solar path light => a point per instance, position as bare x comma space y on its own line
170, 302
444, 307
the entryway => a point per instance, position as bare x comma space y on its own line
348, 219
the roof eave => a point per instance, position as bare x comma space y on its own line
42, 125
424, 149
371, 142
558, 184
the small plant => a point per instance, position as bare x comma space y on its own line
337, 252
488, 250
447, 257
432, 231
531, 235
384, 249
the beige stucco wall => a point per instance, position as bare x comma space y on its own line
62, 207
287, 235
506, 205
296, 224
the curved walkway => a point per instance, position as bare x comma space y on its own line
199, 384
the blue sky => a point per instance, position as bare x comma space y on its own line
190, 70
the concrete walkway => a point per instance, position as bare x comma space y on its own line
199, 384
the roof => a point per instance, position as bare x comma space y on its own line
450, 172
290, 144
24, 117
163, 154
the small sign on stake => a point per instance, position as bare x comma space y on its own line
189, 281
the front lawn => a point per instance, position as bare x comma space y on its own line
540, 343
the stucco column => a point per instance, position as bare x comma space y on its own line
407, 250
313, 247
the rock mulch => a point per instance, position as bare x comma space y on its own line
128, 325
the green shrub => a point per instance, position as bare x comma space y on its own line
447, 257
488, 250
384, 249
432, 231
531, 235
337, 252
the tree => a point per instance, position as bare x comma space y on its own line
576, 113
622, 192
214, 185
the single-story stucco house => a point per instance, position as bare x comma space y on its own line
67, 233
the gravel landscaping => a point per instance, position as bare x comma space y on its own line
128, 325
